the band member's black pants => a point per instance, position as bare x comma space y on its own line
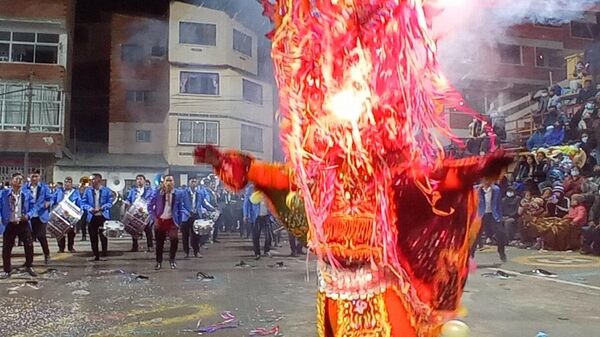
261, 224
13, 230
82, 225
70, 236
39, 232
163, 229
97, 231
189, 237
295, 244
149, 237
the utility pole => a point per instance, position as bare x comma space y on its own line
29, 94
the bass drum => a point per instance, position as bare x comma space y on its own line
113, 229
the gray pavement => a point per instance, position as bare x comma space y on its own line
113, 298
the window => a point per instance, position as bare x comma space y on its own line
583, 30
545, 57
29, 47
47, 109
158, 51
252, 138
132, 53
193, 132
199, 83
198, 33
509, 54
242, 42
138, 96
252, 92
143, 136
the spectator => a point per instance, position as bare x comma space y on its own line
537, 139
525, 169
543, 99
558, 205
554, 99
554, 135
553, 116
585, 123
510, 212
577, 212
587, 92
542, 166
574, 183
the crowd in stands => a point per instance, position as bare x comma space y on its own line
551, 200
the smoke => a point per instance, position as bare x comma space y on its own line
469, 30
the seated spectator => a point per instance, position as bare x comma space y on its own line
542, 166
588, 91
592, 183
553, 116
510, 212
573, 183
531, 208
558, 204
577, 212
554, 135
554, 99
536, 140
585, 123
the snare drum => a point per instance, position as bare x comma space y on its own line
203, 226
63, 218
135, 221
113, 229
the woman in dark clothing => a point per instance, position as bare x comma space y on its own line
522, 171
541, 169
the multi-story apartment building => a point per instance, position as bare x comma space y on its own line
35, 49
125, 72
160, 85
215, 95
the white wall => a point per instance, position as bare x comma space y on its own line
221, 54
60, 173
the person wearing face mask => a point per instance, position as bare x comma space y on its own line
574, 183
510, 212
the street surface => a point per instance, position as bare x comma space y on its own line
124, 296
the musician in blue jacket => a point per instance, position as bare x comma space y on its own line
140, 191
166, 208
250, 212
193, 209
71, 194
42, 202
16, 209
97, 201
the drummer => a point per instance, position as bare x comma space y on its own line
71, 194
140, 191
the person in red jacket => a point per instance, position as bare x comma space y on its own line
577, 212
573, 183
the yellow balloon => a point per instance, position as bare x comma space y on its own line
256, 197
455, 328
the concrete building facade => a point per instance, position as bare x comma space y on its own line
35, 47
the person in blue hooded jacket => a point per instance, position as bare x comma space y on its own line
16, 209
42, 202
536, 140
555, 135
